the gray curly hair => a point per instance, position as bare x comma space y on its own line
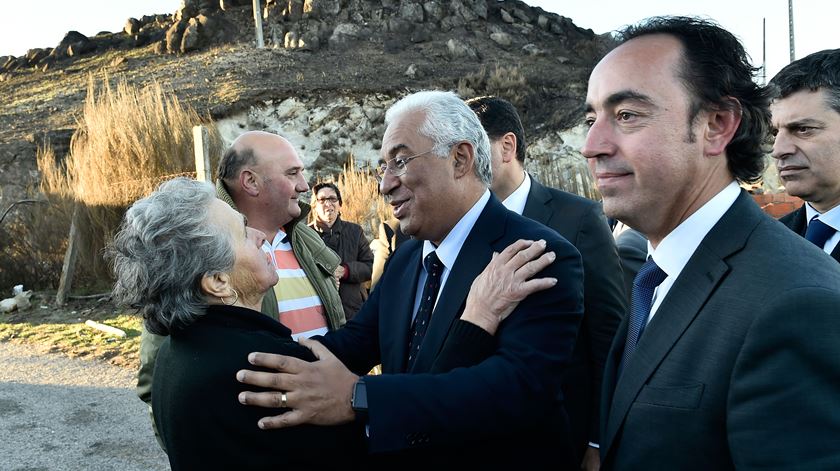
448, 120
165, 245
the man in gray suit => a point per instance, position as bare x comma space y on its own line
806, 123
581, 222
729, 356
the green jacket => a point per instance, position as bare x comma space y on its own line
316, 260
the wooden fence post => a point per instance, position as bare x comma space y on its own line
201, 145
69, 258
258, 24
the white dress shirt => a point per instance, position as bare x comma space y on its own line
449, 249
516, 200
829, 218
679, 245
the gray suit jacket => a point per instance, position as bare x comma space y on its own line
581, 221
740, 366
796, 222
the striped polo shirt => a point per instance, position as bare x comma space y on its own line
299, 305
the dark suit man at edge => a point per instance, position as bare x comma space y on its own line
436, 174
730, 353
582, 223
806, 122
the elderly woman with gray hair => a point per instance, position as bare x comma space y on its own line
196, 272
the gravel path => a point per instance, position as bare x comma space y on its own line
58, 413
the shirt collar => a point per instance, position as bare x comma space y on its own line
279, 239
450, 246
830, 217
516, 200
679, 245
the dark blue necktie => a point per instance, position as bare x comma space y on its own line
434, 270
819, 232
647, 279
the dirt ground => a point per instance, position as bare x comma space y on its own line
62, 329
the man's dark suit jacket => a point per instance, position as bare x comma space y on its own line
740, 365
632, 251
796, 221
501, 410
582, 222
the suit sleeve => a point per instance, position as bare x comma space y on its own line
605, 301
783, 410
466, 345
632, 250
357, 343
513, 389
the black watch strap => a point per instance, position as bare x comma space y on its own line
359, 401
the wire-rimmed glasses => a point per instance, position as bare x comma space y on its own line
397, 165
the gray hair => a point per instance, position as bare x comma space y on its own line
447, 120
165, 245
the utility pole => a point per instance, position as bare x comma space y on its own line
764, 51
790, 28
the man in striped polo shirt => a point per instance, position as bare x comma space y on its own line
261, 176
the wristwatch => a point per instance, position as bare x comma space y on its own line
359, 401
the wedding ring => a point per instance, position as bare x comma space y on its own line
282, 400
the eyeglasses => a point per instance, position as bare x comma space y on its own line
397, 165
331, 199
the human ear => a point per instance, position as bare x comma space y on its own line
464, 158
217, 285
720, 128
248, 182
508, 147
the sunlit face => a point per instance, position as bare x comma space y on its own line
327, 206
253, 272
639, 144
419, 196
280, 173
807, 147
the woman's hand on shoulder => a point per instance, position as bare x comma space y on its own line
506, 281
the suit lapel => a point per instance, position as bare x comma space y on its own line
537, 205
800, 225
398, 312
692, 289
472, 258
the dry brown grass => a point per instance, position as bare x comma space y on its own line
128, 140
504, 82
360, 193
